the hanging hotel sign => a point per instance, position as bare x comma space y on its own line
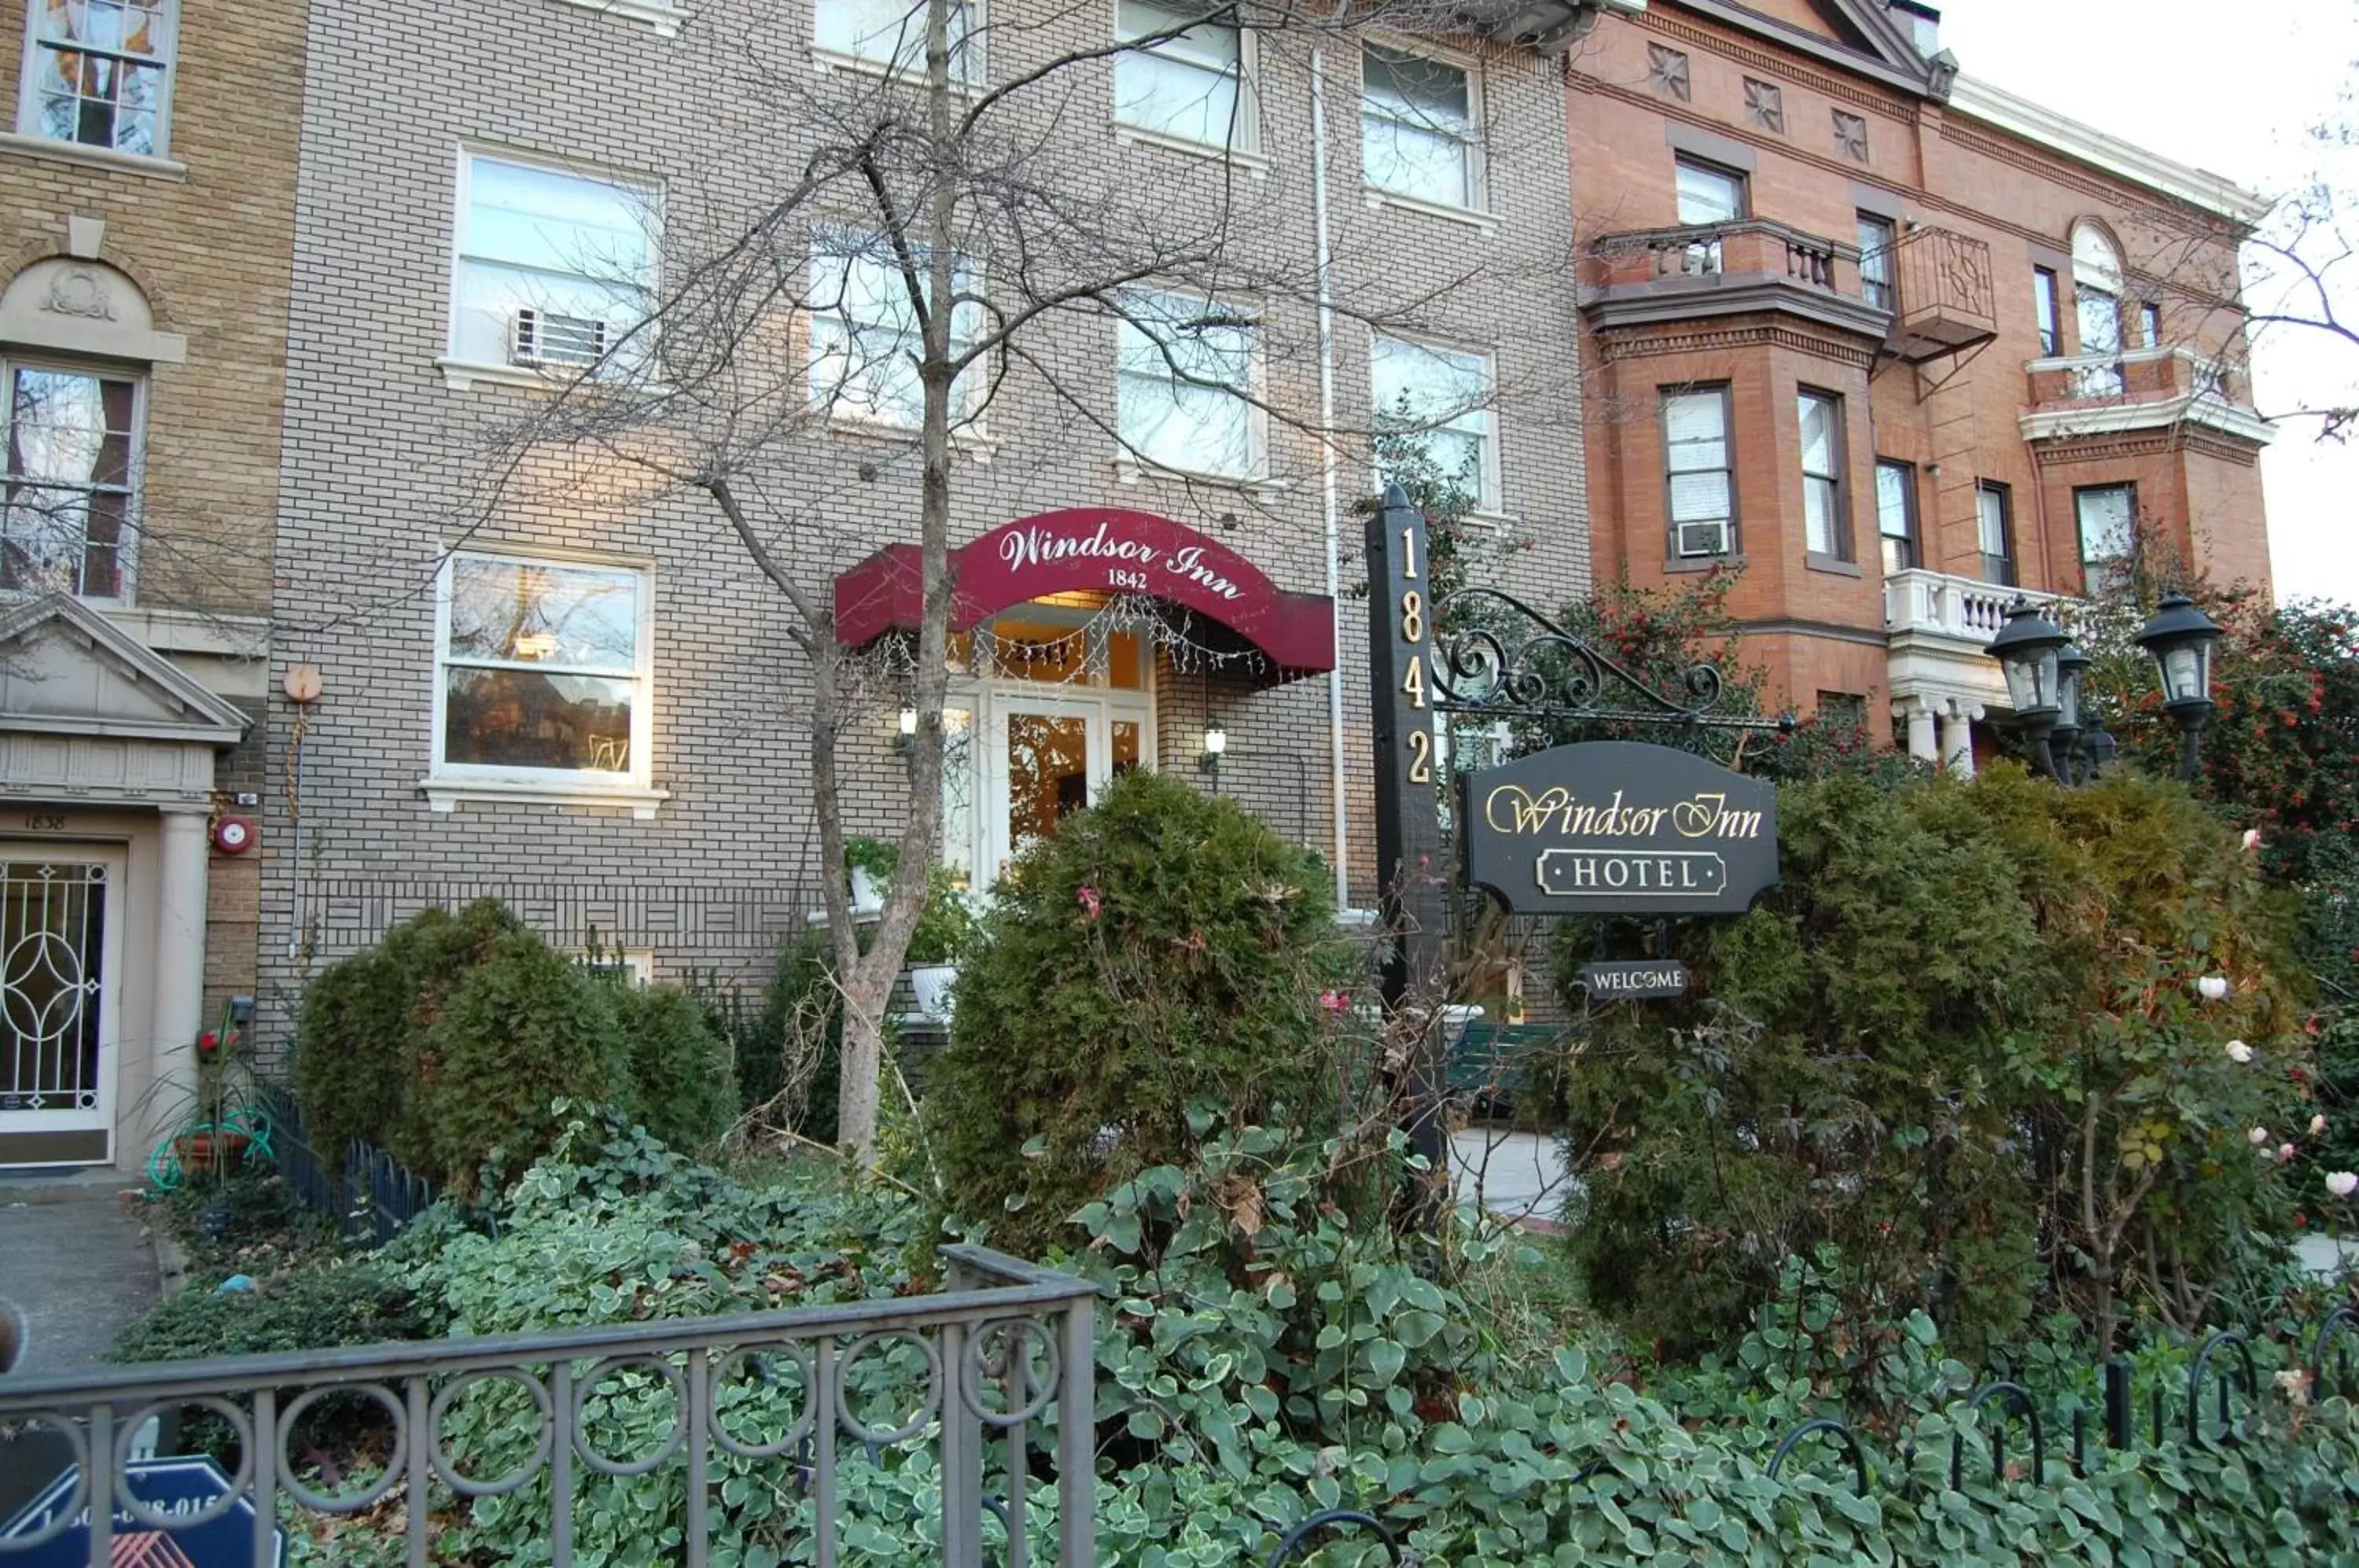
1615, 828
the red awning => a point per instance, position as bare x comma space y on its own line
1108, 551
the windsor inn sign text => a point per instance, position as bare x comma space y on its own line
1609, 827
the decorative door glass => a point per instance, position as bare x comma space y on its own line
1047, 774
53, 949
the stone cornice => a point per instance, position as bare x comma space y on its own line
2197, 188
1670, 301
1642, 343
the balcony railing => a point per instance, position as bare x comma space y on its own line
1002, 1359
1948, 300
1961, 608
1748, 247
2137, 388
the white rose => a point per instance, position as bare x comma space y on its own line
2342, 1183
2211, 988
2239, 1052
2257, 1137
2317, 1126
2252, 838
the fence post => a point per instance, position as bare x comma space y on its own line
2119, 1405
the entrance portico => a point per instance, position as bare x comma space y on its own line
106, 794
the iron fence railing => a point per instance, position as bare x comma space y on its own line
367, 1192
1004, 1358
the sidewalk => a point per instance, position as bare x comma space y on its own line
77, 1268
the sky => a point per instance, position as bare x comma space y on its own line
2234, 90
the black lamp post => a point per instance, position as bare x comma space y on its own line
2043, 680
2181, 637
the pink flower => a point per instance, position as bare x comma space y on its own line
2238, 1051
2252, 840
2317, 1126
1334, 1001
2257, 1137
1090, 900
2284, 1152
2342, 1183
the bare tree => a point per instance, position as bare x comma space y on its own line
937, 240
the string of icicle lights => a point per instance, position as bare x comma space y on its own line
1139, 615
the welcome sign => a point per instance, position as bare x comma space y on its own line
1615, 828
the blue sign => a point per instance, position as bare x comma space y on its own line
173, 1487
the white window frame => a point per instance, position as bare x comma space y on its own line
967, 392
461, 371
1130, 463
168, 61
1244, 146
967, 64
127, 551
2101, 571
1481, 421
448, 783
1477, 198
1832, 482
1731, 541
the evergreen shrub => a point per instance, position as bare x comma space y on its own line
1164, 953
682, 1076
1963, 1044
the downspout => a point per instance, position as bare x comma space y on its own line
1327, 476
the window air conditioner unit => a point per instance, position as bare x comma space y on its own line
1703, 539
543, 337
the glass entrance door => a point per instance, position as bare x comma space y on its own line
59, 918
1048, 759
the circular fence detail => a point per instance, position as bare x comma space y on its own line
77, 1498
394, 1465
761, 1362
127, 1433
981, 1368
867, 1343
671, 1377
438, 1458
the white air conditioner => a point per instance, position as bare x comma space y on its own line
543, 337
1703, 539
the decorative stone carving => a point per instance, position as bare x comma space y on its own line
81, 291
1666, 72
1764, 105
1850, 137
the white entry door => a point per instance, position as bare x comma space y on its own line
1047, 757
60, 961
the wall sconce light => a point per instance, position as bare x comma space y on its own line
1216, 744
908, 732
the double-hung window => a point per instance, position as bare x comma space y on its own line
1826, 522
865, 338
889, 35
1875, 241
1417, 135
543, 674
2043, 312
1700, 481
72, 505
1185, 376
1708, 194
1186, 79
1895, 513
1994, 530
2107, 515
99, 72
554, 269
1435, 403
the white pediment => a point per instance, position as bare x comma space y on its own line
67, 670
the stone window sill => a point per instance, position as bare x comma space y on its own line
1700, 562
664, 18
970, 440
1252, 163
832, 62
1473, 218
93, 156
1130, 470
446, 794
1815, 561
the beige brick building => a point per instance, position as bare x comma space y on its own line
148, 170
1898, 343
623, 755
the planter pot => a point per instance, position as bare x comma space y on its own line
867, 897
212, 1154
1454, 1019
931, 983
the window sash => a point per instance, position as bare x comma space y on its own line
100, 74
1995, 532
1699, 480
1186, 411
865, 339
1708, 195
1820, 417
1189, 86
1876, 240
2043, 306
892, 34
1438, 398
1415, 141
2106, 516
552, 708
531, 237
70, 495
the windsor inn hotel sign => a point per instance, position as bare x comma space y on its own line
1615, 828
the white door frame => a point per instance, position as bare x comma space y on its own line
99, 1117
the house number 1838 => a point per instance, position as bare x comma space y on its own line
45, 821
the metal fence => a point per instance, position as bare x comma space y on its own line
367, 1192
1002, 1359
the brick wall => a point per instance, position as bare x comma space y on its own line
381, 454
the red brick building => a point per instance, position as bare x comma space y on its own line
1899, 344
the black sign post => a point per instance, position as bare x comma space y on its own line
1414, 911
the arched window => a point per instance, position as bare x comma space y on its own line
77, 340
2097, 295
